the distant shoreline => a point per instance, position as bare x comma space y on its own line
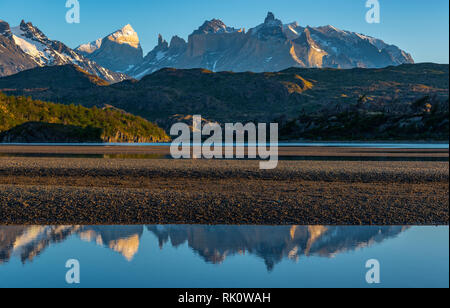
280, 144
400, 141
286, 151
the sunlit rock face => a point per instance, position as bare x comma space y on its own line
269, 47
120, 51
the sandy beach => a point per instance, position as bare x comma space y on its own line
61, 190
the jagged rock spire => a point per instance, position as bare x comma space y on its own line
270, 17
4, 28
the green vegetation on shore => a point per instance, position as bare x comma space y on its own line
405, 102
87, 124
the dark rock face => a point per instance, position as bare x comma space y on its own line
12, 58
38, 132
177, 44
213, 26
271, 28
4, 28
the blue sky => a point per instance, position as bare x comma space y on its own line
417, 26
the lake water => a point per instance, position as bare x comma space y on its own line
224, 256
281, 158
410, 147
375, 145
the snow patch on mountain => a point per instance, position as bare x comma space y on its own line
90, 47
38, 51
44, 52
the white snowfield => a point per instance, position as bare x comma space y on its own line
38, 51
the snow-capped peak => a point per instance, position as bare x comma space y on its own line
128, 30
30, 45
46, 52
126, 35
32, 32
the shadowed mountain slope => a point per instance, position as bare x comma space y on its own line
242, 97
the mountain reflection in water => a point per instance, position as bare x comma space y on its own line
212, 243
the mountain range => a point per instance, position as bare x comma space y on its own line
25, 47
316, 82
269, 47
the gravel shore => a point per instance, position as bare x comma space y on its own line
141, 191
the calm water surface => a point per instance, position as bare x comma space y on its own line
375, 145
438, 147
224, 256
282, 158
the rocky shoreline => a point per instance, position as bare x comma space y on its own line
133, 191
